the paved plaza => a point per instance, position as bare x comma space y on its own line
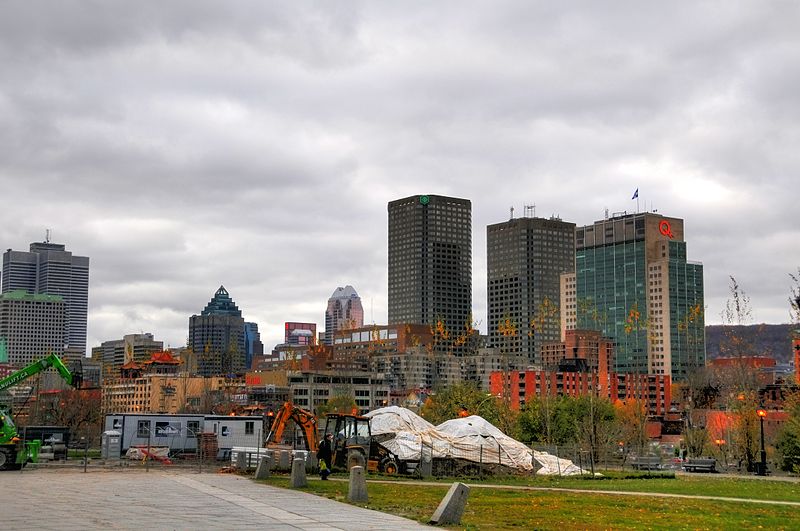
70, 499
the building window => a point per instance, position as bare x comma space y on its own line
143, 428
192, 428
249, 427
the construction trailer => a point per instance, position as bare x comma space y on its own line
180, 432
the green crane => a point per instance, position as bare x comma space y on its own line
13, 453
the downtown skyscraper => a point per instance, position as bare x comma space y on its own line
430, 262
344, 311
49, 269
635, 285
217, 337
525, 260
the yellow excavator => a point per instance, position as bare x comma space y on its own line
305, 419
353, 444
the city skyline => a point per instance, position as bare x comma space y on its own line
183, 148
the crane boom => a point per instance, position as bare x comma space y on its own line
72, 378
13, 452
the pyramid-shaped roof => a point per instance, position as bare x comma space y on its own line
222, 304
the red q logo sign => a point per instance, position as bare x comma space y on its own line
665, 228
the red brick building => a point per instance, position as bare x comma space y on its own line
655, 390
588, 345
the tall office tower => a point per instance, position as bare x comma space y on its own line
48, 268
430, 262
344, 311
252, 343
31, 326
526, 257
216, 337
635, 285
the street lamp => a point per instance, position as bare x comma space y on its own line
762, 467
489, 396
464, 412
720, 443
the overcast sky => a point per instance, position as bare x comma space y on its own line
185, 145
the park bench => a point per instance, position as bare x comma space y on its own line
700, 464
646, 462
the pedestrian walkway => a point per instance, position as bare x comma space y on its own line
70, 499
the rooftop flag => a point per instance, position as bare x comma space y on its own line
635, 195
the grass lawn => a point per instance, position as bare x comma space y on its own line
697, 485
489, 508
668, 483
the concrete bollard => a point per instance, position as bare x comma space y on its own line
284, 460
426, 467
263, 468
357, 491
452, 506
298, 474
241, 461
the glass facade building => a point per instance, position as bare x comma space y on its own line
635, 285
217, 337
344, 312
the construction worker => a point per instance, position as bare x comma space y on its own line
324, 456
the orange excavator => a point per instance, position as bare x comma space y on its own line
305, 419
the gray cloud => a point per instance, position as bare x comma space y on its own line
187, 145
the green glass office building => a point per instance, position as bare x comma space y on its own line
635, 285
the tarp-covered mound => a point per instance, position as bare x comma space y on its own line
493, 445
403, 432
393, 419
409, 436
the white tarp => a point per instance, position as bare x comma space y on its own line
495, 446
393, 419
472, 438
552, 465
408, 430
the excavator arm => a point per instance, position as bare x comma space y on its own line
303, 418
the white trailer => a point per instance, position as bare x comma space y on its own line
179, 432
235, 431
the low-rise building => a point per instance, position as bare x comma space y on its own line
156, 386
655, 390
310, 390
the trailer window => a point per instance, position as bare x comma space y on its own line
249, 427
143, 428
193, 427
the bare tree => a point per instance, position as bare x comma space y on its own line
738, 381
794, 298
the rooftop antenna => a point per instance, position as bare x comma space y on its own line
606, 213
530, 209
47, 236
512, 212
